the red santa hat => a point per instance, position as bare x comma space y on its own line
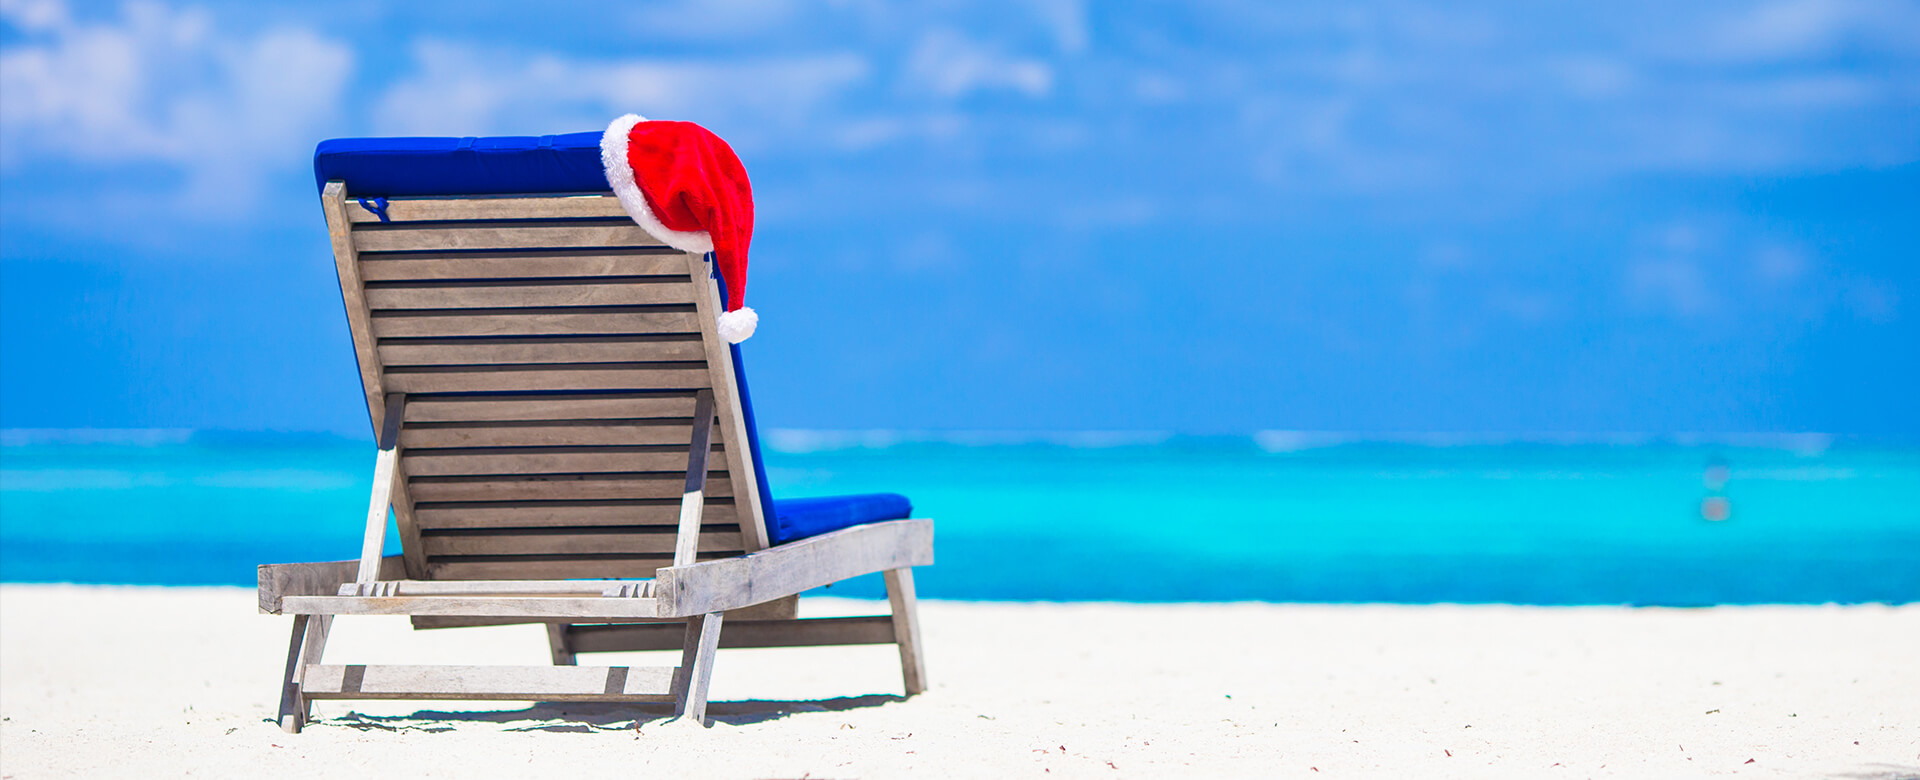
684, 185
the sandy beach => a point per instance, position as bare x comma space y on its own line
98, 681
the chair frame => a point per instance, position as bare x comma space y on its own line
683, 605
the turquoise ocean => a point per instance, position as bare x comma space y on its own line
1123, 517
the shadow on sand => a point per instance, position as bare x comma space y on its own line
1884, 772
584, 717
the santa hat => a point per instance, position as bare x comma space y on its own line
687, 187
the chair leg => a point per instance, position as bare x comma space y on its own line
311, 651
293, 705
696, 666
906, 629
307, 645
557, 644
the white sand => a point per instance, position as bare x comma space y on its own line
170, 682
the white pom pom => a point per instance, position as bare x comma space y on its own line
737, 325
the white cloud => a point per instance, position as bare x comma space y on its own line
1802, 29
1158, 88
159, 85
1674, 286
948, 64
1595, 78
461, 89
1366, 101
719, 19
1066, 20
1244, 102
861, 133
34, 15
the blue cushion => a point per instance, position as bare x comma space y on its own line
403, 167
799, 518
397, 167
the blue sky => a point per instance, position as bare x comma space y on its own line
1206, 217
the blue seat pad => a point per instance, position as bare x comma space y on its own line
403, 167
799, 518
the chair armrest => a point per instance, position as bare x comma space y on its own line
279, 580
732, 583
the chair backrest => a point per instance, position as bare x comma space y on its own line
549, 351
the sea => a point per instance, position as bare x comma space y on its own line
1142, 517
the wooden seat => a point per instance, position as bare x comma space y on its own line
561, 440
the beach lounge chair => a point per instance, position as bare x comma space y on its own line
563, 438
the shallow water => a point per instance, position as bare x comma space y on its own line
1274, 517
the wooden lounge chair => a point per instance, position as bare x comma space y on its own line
563, 439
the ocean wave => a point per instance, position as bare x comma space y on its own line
800, 441
1281, 441
133, 437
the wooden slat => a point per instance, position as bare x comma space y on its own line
793, 567
504, 569
577, 588
561, 487
532, 322
542, 460
546, 514
811, 632
423, 266
551, 349
600, 406
565, 607
375, 237
507, 207
548, 434
778, 609
580, 376
579, 541
513, 683
500, 295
